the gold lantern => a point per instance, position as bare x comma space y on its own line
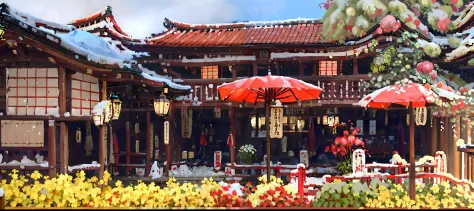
336, 119
331, 121
116, 105
325, 120
108, 112
161, 105
300, 124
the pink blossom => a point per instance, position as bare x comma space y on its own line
354, 132
379, 30
343, 141
443, 24
337, 140
359, 142
387, 24
433, 76
424, 67
346, 132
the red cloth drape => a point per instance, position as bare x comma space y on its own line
203, 141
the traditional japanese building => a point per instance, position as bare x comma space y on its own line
189, 61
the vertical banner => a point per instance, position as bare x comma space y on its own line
358, 161
217, 160
373, 127
304, 158
217, 112
187, 124
184, 111
276, 119
360, 125
284, 144
166, 133
151, 140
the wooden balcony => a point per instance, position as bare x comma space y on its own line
343, 89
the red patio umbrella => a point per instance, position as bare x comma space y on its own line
267, 89
409, 94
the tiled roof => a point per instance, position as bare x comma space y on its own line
103, 15
298, 31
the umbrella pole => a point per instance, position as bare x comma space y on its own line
267, 125
412, 185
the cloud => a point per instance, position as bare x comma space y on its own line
139, 18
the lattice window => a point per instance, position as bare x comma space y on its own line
22, 133
32, 91
84, 94
329, 68
210, 72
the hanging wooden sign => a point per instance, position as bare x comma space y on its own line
284, 144
184, 155
373, 127
137, 146
184, 111
217, 112
217, 160
187, 125
304, 157
137, 127
151, 140
78, 135
166, 133
360, 125
157, 142
276, 122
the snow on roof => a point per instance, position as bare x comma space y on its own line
220, 59
251, 23
33, 21
151, 75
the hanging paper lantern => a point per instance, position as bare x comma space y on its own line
408, 119
425, 67
387, 23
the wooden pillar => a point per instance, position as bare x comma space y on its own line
148, 142
127, 146
52, 148
454, 149
232, 127
434, 136
171, 138
443, 124
301, 69
255, 69
102, 134
63, 129
355, 67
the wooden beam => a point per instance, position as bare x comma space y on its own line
148, 142
234, 74
52, 149
35, 117
102, 134
315, 68
63, 128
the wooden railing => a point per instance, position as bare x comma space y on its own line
348, 88
467, 154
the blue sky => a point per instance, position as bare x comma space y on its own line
141, 18
277, 9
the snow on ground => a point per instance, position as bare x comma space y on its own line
2, 192
27, 162
196, 171
233, 187
83, 166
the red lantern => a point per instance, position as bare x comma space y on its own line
387, 23
424, 67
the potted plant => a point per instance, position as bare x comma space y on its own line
247, 153
343, 146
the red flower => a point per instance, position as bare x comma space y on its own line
327, 149
343, 141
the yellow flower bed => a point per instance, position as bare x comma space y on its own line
66, 191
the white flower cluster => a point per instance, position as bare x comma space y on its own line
248, 148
